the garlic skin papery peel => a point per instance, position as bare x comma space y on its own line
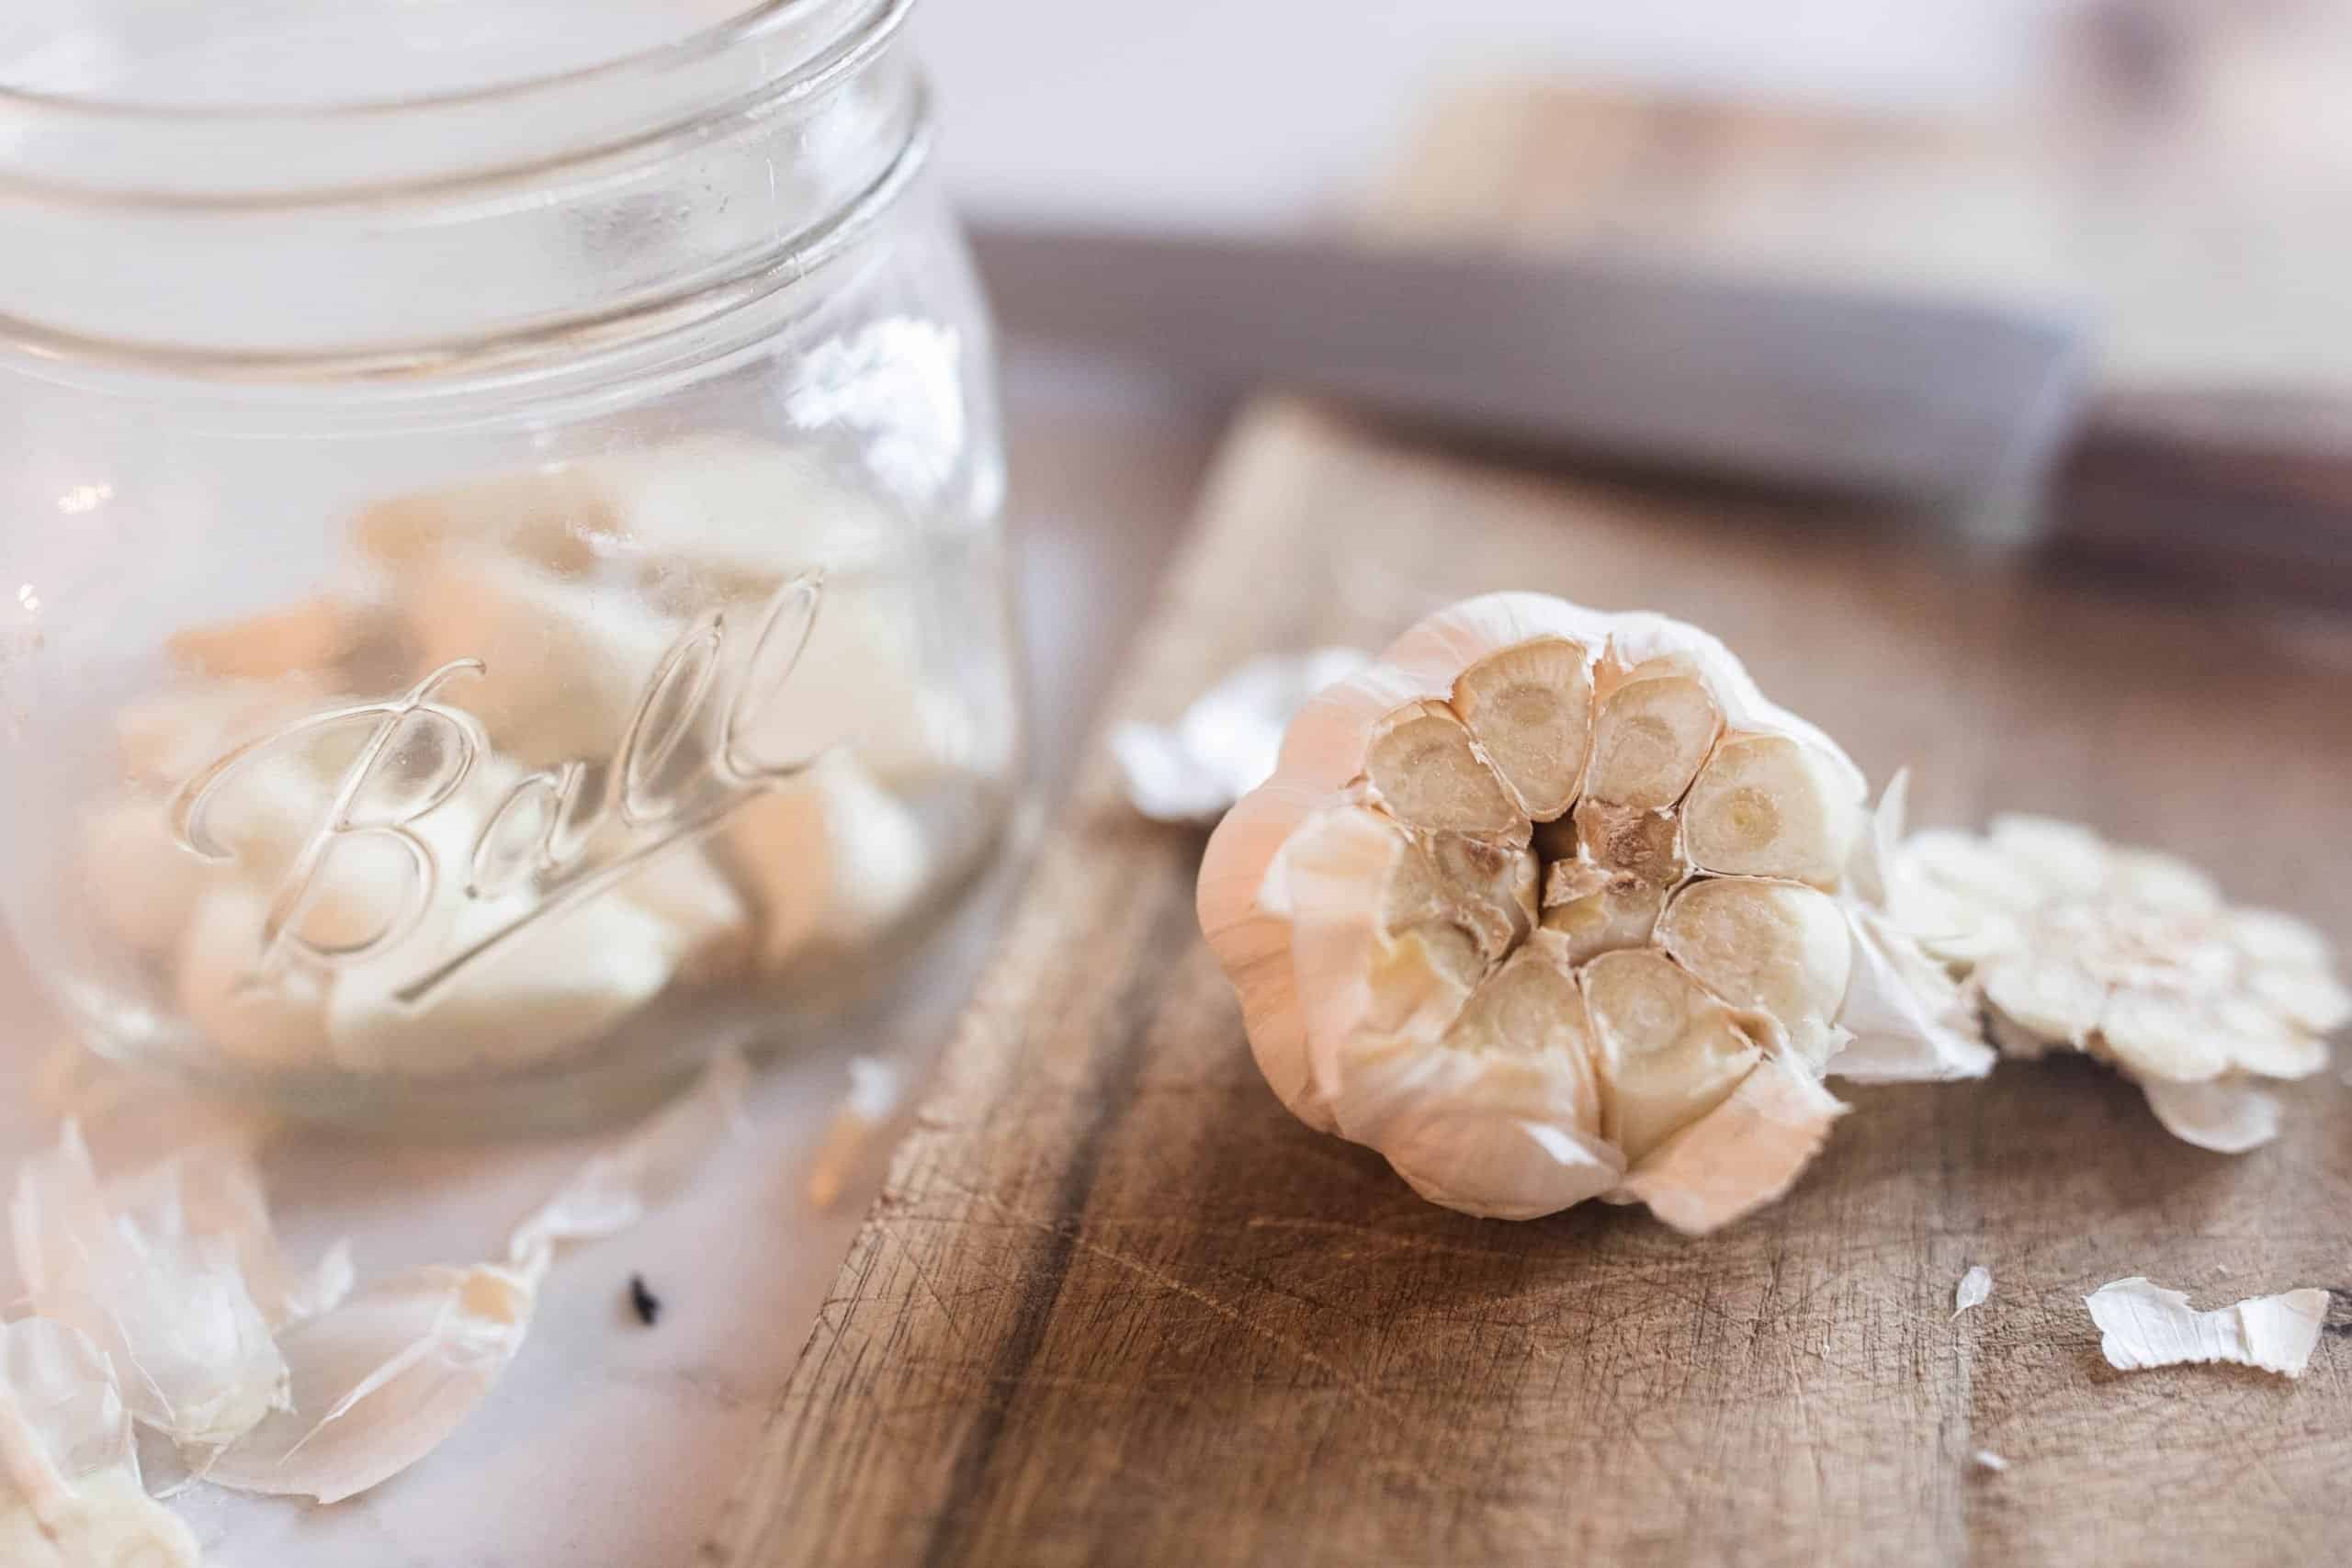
2130, 956
172, 1271
1549, 904
2142, 1324
170, 1283
70, 1489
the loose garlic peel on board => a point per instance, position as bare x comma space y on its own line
1549, 905
2133, 957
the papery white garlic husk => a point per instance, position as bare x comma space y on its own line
1549, 904
1226, 742
2133, 957
379, 1381
174, 1273
2142, 1324
69, 1490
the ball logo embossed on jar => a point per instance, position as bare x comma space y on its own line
685, 763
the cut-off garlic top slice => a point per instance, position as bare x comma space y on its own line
1548, 904
2132, 956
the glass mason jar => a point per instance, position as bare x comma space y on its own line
503, 588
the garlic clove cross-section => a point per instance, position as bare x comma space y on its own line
2133, 957
1548, 904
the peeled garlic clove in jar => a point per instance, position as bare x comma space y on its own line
259, 1016
297, 641
527, 976
135, 875
726, 511
564, 667
754, 527
829, 860
1549, 904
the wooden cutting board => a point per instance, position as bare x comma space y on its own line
1116, 1306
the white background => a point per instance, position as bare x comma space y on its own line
1254, 112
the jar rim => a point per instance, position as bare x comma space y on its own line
760, 16
620, 104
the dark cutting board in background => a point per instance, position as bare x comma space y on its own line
1116, 1306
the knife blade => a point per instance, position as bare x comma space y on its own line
1954, 404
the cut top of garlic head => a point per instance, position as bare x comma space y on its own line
2132, 956
1549, 904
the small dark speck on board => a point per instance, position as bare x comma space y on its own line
647, 1304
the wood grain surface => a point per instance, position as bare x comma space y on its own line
1116, 1306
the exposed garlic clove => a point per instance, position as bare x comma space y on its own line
850, 682
547, 517
1390, 849
1649, 739
1531, 1007
1775, 947
1768, 805
2229, 1116
299, 640
533, 976
2311, 998
143, 884
563, 666
1424, 771
2272, 939
272, 1019
1529, 708
1610, 896
1421, 976
2049, 995
2260, 1041
1741, 1155
559, 981
2062, 859
706, 917
1669, 1050
1502, 1118
831, 860
1617, 917
140, 884
2131, 955
740, 510
1907, 1022
2160, 1034
731, 513
2162, 882
1959, 898
1487, 889
166, 739
1360, 977
1633, 844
